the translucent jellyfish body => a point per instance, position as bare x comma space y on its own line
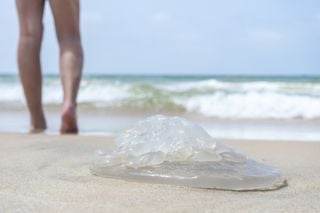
173, 150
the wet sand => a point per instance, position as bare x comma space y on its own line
50, 173
104, 122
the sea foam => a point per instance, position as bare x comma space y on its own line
238, 99
173, 150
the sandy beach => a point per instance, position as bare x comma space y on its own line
51, 173
150, 91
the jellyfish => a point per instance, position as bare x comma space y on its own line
173, 150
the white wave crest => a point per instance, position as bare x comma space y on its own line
253, 105
224, 99
11, 93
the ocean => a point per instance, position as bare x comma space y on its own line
247, 107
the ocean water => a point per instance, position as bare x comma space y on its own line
219, 97
224, 98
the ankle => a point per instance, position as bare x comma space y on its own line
38, 123
68, 110
69, 106
69, 119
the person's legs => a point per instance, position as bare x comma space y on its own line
66, 16
30, 19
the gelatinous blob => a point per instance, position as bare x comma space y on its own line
173, 150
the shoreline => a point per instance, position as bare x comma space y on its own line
93, 122
112, 134
52, 173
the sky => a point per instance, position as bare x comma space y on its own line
231, 37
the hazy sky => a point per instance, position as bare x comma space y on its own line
184, 37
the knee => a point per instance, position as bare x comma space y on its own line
71, 44
32, 34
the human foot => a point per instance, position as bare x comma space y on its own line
38, 123
69, 120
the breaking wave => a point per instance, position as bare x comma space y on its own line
254, 98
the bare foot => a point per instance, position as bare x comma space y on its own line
69, 120
36, 131
38, 124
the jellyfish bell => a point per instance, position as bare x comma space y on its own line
173, 150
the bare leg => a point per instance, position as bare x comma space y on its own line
30, 19
66, 16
